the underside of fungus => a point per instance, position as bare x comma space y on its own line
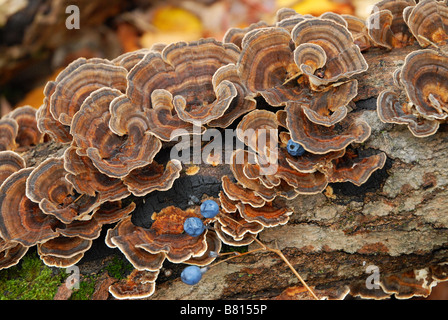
288, 84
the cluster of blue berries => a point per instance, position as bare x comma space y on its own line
194, 226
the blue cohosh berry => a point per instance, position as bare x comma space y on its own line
191, 275
294, 149
209, 209
194, 226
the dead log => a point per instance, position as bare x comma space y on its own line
388, 237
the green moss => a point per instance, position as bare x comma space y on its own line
31, 279
119, 268
86, 288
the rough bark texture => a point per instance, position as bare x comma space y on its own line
397, 221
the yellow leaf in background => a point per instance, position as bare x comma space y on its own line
172, 24
174, 19
316, 7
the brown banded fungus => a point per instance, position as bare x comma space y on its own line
28, 134
21, 220
10, 162
8, 133
428, 22
78, 81
48, 187
387, 26
138, 285
112, 154
422, 79
63, 251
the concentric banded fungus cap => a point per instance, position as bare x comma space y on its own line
129, 59
78, 81
11, 256
233, 229
21, 220
302, 182
353, 168
28, 133
241, 104
167, 235
391, 110
320, 139
329, 106
8, 133
428, 22
186, 70
124, 236
236, 192
47, 186
112, 154
10, 162
87, 179
272, 214
259, 131
387, 26
138, 285
236, 35
424, 76
343, 58
214, 245
359, 31
257, 181
154, 176
266, 65
45, 121
63, 251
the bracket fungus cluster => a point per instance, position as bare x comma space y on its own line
287, 88
419, 99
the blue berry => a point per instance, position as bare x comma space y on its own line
194, 226
294, 149
191, 275
209, 209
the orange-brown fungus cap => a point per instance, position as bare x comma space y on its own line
86, 178
241, 104
424, 77
266, 65
11, 256
21, 220
236, 227
428, 22
391, 109
10, 162
138, 285
359, 31
270, 215
236, 192
154, 176
125, 236
387, 26
343, 56
63, 251
78, 81
353, 168
55, 195
214, 245
46, 123
8, 133
112, 154
320, 139
28, 133
258, 130
236, 35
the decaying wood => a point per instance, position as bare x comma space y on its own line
397, 221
